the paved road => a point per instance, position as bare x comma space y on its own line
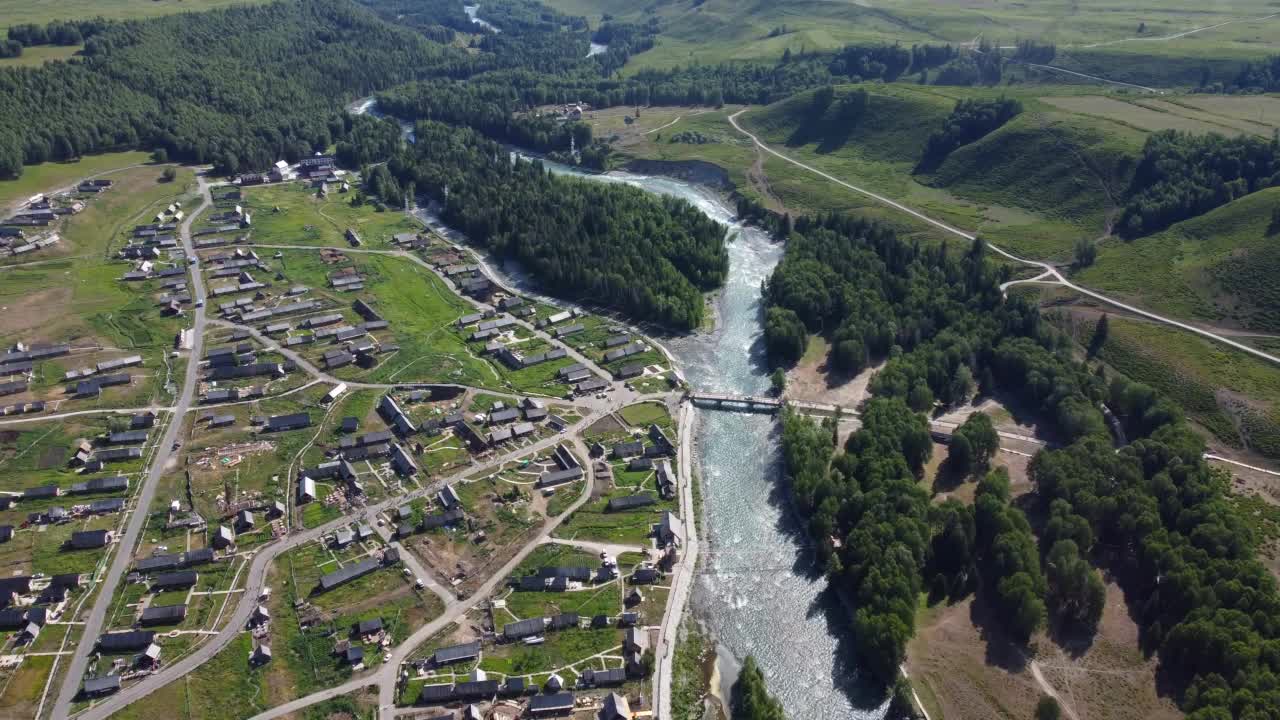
1048, 269
138, 518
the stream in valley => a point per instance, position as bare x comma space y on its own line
758, 591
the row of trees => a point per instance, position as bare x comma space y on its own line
867, 499
608, 244
1182, 175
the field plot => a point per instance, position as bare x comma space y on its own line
1147, 116
1259, 109
1226, 125
312, 629
294, 214
608, 517
229, 464
75, 296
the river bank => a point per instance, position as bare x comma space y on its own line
757, 589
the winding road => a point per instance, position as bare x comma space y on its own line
1049, 272
255, 580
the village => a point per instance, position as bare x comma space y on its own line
382, 438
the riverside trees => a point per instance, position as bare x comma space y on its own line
614, 245
1205, 601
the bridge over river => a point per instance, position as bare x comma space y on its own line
728, 402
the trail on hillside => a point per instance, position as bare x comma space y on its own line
1052, 692
1053, 272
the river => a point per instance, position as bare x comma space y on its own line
757, 592
472, 12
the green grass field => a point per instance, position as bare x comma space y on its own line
1096, 36
75, 294
41, 54
293, 214
16, 12
1219, 268
1234, 396
225, 688
53, 175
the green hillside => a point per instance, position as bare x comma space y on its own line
1037, 185
1065, 168
1101, 37
1221, 267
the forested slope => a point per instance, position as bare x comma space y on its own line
608, 244
1203, 599
240, 87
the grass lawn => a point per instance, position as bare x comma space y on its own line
292, 214
38, 55
554, 555
593, 522
53, 175
643, 415
561, 648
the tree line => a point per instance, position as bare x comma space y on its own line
613, 245
1182, 175
970, 120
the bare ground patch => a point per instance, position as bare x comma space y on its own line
34, 310
811, 380
972, 672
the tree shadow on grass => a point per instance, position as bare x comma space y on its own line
1001, 650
